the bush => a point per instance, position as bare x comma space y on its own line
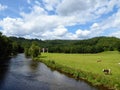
33, 51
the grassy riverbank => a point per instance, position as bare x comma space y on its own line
85, 66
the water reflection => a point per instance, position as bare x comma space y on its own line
22, 73
34, 66
4, 66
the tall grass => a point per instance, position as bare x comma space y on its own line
85, 66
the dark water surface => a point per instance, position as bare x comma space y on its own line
21, 73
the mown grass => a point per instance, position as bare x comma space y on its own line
85, 66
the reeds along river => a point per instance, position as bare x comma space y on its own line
21, 73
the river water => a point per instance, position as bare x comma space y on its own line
21, 73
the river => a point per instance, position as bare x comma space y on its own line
21, 73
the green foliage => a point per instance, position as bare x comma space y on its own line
14, 48
26, 51
33, 50
93, 45
5, 46
8, 47
118, 48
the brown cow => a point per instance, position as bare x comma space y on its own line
99, 60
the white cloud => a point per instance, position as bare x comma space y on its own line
111, 22
83, 10
57, 33
60, 31
12, 26
95, 26
39, 24
36, 24
115, 34
71, 7
2, 7
82, 33
104, 7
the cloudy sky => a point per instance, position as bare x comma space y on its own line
60, 19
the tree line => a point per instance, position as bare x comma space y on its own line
93, 45
32, 47
11, 46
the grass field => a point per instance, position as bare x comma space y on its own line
88, 65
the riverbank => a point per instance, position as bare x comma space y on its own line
86, 67
21, 73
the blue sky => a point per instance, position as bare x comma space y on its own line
60, 19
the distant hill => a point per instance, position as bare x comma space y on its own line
93, 45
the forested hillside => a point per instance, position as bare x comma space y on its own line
93, 45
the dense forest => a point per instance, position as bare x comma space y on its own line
8, 47
13, 45
93, 45
5, 46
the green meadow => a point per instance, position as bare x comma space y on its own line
87, 67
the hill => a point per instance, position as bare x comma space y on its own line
93, 45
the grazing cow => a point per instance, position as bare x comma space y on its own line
107, 71
99, 60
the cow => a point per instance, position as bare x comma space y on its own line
107, 71
99, 60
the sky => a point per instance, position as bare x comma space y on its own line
60, 19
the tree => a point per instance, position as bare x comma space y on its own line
118, 48
0, 34
14, 48
34, 50
26, 51
5, 46
93, 45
